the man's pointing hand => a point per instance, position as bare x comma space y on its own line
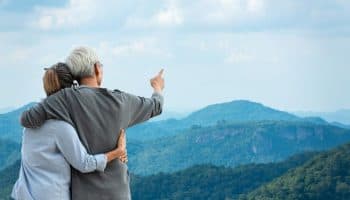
158, 82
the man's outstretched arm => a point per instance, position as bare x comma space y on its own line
140, 108
53, 107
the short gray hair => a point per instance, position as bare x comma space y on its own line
81, 61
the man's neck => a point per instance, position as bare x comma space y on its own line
89, 81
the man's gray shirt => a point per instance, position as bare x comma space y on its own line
97, 114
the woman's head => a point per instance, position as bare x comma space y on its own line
56, 78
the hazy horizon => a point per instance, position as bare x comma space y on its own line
289, 55
183, 113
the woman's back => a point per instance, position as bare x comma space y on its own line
45, 174
47, 153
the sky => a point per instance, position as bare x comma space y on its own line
288, 54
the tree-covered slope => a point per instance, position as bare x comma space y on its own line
325, 177
232, 144
307, 176
9, 152
211, 182
197, 182
8, 178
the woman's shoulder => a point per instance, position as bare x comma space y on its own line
61, 130
49, 131
58, 125
48, 125
52, 126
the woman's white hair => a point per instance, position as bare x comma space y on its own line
81, 61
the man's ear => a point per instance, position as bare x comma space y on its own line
97, 70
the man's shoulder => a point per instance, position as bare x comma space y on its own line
116, 91
58, 95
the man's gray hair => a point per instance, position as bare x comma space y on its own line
81, 61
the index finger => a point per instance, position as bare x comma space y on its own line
161, 72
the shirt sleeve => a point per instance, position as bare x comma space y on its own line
75, 153
53, 107
141, 109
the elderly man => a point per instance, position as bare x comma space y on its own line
97, 114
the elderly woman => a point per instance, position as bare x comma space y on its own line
48, 152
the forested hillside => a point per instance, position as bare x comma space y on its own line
197, 182
325, 177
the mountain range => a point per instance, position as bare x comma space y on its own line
234, 111
228, 134
6, 109
10, 129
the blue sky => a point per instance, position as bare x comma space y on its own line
288, 54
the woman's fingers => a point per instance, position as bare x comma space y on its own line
122, 139
124, 160
122, 154
121, 133
122, 146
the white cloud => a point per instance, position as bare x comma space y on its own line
190, 14
76, 13
134, 48
239, 57
248, 39
169, 16
174, 13
255, 6
227, 12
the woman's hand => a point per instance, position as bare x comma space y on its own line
120, 151
122, 146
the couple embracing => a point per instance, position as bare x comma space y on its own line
74, 144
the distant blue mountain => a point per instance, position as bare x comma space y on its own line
169, 115
340, 117
10, 136
9, 152
238, 111
6, 110
234, 111
10, 128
